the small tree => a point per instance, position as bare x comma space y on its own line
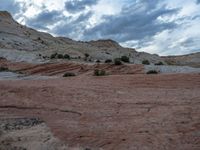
145, 62
117, 61
125, 59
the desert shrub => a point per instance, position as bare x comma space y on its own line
159, 63
53, 56
86, 55
117, 61
108, 60
44, 57
69, 74
98, 72
152, 72
98, 61
145, 62
66, 56
2, 58
60, 56
125, 59
3, 69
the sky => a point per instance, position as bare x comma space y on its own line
164, 27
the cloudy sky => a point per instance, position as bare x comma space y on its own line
165, 27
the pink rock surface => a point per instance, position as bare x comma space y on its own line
112, 112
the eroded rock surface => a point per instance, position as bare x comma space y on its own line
112, 112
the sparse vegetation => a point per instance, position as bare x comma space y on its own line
44, 57
53, 56
125, 59
108, 60
98, 72
3, 69
159, 63
66, 56
98, 61
86, 55
152, 72
117, 61
60, 56
145, 62
2, 58
69, 74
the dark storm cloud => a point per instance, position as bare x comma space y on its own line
74, 6
135, 22
71, 27
10, 6
43, 19
198, 1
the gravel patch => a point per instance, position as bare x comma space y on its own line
18, 123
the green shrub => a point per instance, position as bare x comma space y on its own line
60, 56
69, 74
3, 69
108, 60
66, 56
159, 63
145, 62
53, 56
125, 59
152, 72
98, 72
117, 61
98, 61
2, 58
86, 55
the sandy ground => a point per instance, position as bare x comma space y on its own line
112, 112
